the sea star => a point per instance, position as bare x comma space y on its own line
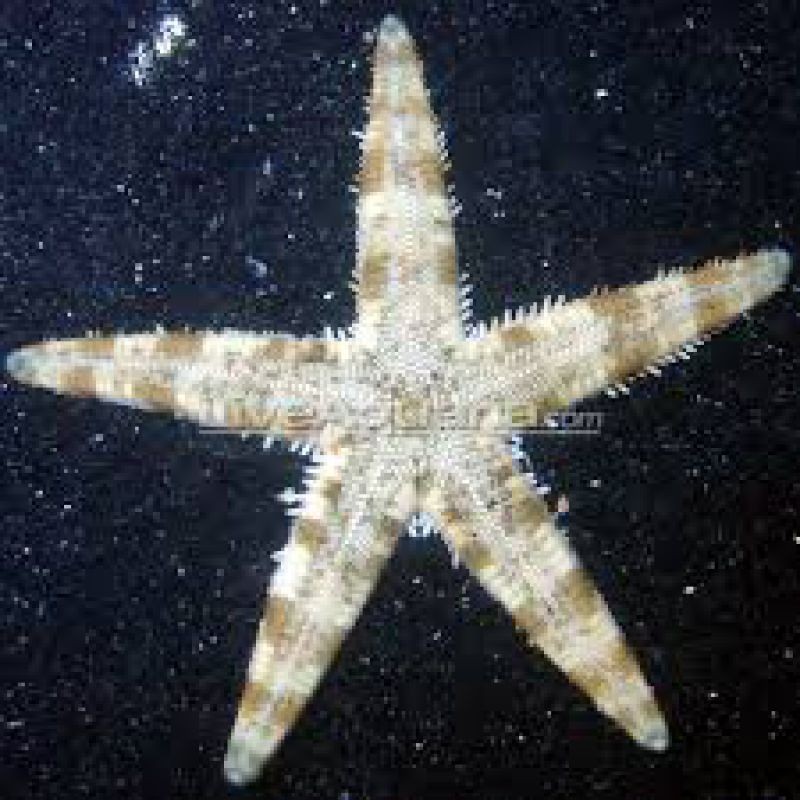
411, 413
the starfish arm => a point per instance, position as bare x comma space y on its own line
504, 534
405, 241
542, 362
345, 530
271, 383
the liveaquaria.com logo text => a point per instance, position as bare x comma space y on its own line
405, 414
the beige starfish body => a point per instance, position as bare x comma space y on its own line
411, 416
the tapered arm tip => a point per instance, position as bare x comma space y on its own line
393, 28
655, 737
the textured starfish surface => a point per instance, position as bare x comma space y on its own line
410, 413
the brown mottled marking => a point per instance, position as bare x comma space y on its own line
520, 492
373, 171
374, 274
302, 421
446, 263
625, 312
252, 700
475, 554
708, 275
414, 104
96, 347
550, 401
310, 533
386, 527
286, 710
618, 303
575, 590
276, 618
179, 345
379, 108
331, 490
589, 678
621, 661
503, 471
79, 381
256, 418
597, 304
272, 350
376, 558
327, 646
250, 418
528, 513
523, 415
530, 620
423, 485
155, 395
515, 336
714, 312
452, 516
629, 358
426, 169
234, 414
313, 351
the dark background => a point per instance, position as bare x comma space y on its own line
135, 551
